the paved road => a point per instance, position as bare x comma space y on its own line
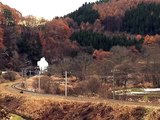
10, 87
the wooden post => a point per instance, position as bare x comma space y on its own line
66, 83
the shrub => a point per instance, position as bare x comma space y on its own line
54, 88
81, 88
45, 81
93, 85
104, 91
9, 76
47, 85
148, 85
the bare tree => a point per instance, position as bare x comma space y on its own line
125, 69
124, 61
151, 64
80, 65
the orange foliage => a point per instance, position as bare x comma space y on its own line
16, 17
55, 39
15, 14
96, 27
100, 54
149, 39
55, 30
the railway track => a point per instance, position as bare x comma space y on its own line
12, 87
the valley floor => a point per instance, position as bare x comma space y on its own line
40, 106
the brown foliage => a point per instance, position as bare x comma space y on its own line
78, 111
100, 54
93, 85
149, 39
96, 27
47, 85
16, 14
55, 40
53, 108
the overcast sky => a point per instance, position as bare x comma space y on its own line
45, 8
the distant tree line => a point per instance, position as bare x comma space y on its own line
100, 41
102, 1
143, 19
84, 14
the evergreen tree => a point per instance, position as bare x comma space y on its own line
144, 19
29, 44
84, 14
100, 41
8, 16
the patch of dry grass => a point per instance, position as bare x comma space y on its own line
39, 107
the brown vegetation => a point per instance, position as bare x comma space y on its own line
100, 54
16, 14
55, 40
58, 108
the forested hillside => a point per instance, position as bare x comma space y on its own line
142, 20
100, 41
92, 27
84, 14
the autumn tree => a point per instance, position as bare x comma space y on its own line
32, 21
55, 40
150, 66
80, 65
9, 16
123, 61
9, 33
125, 70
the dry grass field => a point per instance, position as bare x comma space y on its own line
41, 107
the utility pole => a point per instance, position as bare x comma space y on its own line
66, 83
30, 73
39, 82
113, 84
25, 77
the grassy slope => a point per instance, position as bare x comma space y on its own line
40, 107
